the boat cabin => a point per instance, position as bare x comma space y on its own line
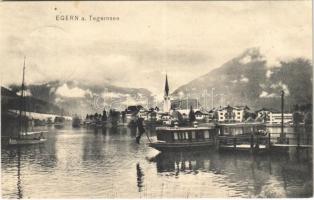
185, 134
235, 129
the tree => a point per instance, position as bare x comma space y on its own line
104, 115
192, 117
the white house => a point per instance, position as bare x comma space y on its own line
273, 116
264, 114
232, 114
185, 112
201, 115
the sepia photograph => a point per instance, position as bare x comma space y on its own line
156, 99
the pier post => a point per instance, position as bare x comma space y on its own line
234, 143
217, 144
252, 142
269, 143
298, 139
307, 138
282, 115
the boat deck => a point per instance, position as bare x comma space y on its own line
242, 147
184, 145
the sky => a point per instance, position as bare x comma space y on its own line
183, 39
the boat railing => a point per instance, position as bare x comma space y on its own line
163, 128
188, 140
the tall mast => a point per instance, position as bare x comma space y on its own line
22, 99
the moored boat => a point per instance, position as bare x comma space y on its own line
76, 122
184, 138
59, 122
25, 137
34, 137
243, 137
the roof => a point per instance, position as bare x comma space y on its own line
268, 109
7, 92
228, 107
186, 111
243, 107
202, 112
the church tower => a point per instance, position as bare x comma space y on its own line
167, 103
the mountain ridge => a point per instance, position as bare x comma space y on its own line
246, 79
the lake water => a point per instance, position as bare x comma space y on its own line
81, 163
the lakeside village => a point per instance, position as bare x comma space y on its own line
228, 127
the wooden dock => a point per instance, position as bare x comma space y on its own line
255, 143
292, 145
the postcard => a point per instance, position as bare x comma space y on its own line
156, 99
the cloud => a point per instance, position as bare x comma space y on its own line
104, 53
269, 73
245, 59
73, 92
265, 94
281, 86
275, 90
109, 96
244, 79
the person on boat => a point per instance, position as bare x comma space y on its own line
141, 129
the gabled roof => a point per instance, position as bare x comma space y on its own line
228, 107
243, 107
202, 112
235, 108
268, 109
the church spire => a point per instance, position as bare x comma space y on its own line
166, 87
167, 102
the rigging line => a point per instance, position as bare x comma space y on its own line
148, 137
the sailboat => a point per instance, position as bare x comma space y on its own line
24, 136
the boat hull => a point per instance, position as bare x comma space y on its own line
184, 146
35, 137
26, 141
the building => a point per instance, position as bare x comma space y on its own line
232, 114
263, 114
201, 115
273, 116
184, 113
166, 102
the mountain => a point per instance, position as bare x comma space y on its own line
83, 98
10, 100
248, 80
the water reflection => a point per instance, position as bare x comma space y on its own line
19, 186
83, 163
139, 177
244, 172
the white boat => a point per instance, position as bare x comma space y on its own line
25, 137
